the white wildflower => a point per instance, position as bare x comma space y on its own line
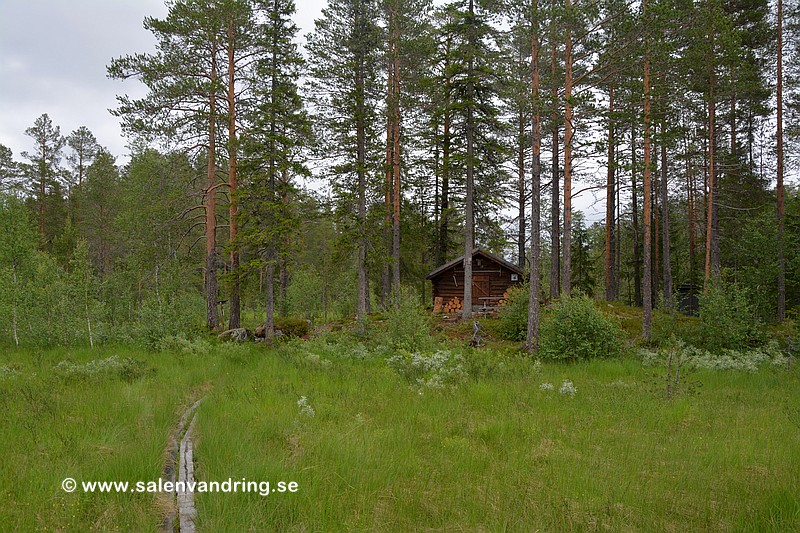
568, 388
305, 407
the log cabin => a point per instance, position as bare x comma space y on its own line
492, 276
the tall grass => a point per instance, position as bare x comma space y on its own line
499, 453
372, 451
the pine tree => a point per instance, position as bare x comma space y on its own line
45, 172
345, 62
182, 105
279, 129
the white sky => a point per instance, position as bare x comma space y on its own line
53, 58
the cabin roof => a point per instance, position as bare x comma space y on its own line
478, 251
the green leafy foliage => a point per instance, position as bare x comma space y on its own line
728, 319
408, 324
577, 330
514, 315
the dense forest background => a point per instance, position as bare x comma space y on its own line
324, 183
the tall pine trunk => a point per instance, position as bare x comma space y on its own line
647, 216
666, 260
610, 197
521, 190
532, 334
212, 317
555, 197
637, 266
386, 274
779, 188
362, 307
235, 306
396, 161
566, 266
470, 134
710, 272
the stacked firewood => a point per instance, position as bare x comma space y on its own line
453, 305
504, 300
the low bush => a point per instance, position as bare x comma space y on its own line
408, 325
292, 327
728, 320
695, 358
127, 369
514, 315
577, 330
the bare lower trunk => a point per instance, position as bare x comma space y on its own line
555, 197
212, 317
386, 274
610, 197
709, 274
779, 189
637, 269
269, 323
235, 306
665, 237
445, 199
647, 204
566, 266
470, 219
532, 334
396, 165
521, 191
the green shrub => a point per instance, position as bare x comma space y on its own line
292, 327
728, 319
576, 330
408, 325
514, 315
128, 369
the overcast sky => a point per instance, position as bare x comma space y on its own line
53, 58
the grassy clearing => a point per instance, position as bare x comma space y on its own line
498, 452
383, 453
106, 425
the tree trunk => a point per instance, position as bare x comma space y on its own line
283, 262
445, 199
647, 216
690, 202
709, 274
610, 197
269, 323
470, 134
396, 163
532, 334
637, 270
666, 268
361, 171
521, 191
555, 197
212, 317
779, 188
235, 306
386, 274
566, 266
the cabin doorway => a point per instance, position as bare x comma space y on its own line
480, 287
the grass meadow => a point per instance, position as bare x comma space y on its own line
378, 449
